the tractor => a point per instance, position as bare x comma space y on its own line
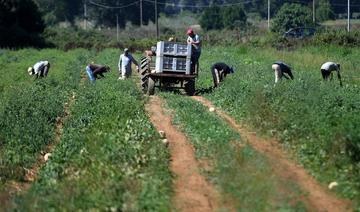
170, 68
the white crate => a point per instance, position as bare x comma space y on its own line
174, 64
173, 49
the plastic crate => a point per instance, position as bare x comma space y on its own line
173, 49
174, 64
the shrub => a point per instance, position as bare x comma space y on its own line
211, 18
233, 17
291, 16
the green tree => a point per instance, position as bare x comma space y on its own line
211, 18
57, 11
324, 11
233, 17
20, 23
291, 16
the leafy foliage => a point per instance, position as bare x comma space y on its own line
317, 120
20, 23
324, 11
109, 158
234, 17
28, 111
291, 16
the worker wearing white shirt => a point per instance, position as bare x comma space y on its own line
124, 65
40, 69
327, 69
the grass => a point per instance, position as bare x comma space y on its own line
243, 176
317, 121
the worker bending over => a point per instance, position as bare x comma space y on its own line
40, 69
96, 71
219, 72
280, 69
124, 65
195, 42
327, 69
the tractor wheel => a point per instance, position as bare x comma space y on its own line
144, 74
151, 86
190, 87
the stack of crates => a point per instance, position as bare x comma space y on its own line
173, 57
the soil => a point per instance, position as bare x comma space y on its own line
192, 191
317, 198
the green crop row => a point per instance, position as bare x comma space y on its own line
243, 176
110, 156
29, 109
317, 121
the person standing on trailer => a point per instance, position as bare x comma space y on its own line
195, 42
280, 69
40, 69
125, 61
327, 69
219, 72
95, 71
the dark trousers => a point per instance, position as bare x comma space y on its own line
45, 70
288, 72
326, 74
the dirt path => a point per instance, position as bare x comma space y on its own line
318, 198
192, 191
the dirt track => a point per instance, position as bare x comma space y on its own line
192, 191
318, 198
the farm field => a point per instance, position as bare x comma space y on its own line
110, 156
317, 121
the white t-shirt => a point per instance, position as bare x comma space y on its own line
39, 66
125, 62
330, 66
196, 38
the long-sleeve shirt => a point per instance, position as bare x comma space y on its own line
125, 62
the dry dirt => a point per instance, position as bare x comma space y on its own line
192, 191
318, 198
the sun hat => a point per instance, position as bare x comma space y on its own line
126, 50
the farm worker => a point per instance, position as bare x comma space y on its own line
194, 40
125, 61
151, 52
280, 69
95, 70
327, 69
40, 69
219, 72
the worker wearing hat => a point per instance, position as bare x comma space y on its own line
125, 61
194, 40
40, 69
219, 72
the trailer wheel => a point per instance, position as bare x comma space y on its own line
151, 86
190, 87
144, 73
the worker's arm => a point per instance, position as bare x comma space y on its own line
197, 40
135, 62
